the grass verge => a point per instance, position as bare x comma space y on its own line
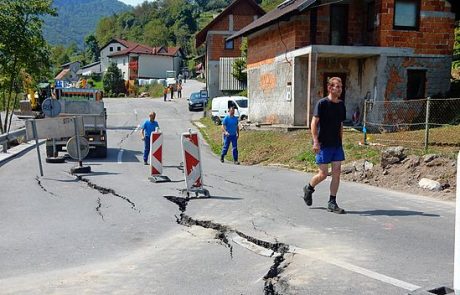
294, 149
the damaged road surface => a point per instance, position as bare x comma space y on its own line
114, 231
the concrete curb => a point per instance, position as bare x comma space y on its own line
17, 151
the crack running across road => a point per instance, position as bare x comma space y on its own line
223, 232
43, 188
106, 191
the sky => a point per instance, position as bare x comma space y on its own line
133, 2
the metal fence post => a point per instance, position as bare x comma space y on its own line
457, 234
427, 123
366, 102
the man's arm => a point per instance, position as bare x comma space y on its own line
224, 129
237, 130
314, 133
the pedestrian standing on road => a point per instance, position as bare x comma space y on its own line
327, 130
165, 93
231, 132
179, 90
171, 88
147, 128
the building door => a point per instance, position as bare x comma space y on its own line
342, 76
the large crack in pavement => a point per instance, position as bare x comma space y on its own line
105, 191
273, 275
98, 208
43, 188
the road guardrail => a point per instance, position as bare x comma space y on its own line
8, 137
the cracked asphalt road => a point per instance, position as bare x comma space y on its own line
113, 231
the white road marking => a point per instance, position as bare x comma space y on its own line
357, 269
120, 152
329, 260
120, 156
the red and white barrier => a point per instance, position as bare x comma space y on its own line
156, 153
192, 161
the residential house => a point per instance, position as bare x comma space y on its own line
236, 16
69, 71
94, 68
138, 61
382, 49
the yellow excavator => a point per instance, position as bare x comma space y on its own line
31, 107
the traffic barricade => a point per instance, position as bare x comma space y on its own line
156, 157
192, 161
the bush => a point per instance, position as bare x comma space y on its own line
113, 80
121, 95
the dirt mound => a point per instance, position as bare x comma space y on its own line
404, 173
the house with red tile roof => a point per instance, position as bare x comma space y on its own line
139, 61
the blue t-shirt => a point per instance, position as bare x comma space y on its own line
149, 127
231, 124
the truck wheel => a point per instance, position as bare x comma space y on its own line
100, 152
216, 120
49, 152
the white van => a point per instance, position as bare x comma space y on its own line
221, 104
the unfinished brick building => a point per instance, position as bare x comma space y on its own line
382, 50
236, 16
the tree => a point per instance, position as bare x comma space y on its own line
113, 81
92, 48
239, 66
23, 50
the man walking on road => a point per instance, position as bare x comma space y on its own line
327, 130
147, 128
231, 132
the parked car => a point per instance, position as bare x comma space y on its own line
197, 101
221, 104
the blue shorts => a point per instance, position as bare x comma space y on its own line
327, 155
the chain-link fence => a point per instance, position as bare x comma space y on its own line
413, 123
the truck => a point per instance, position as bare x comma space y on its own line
88, 104
171, 79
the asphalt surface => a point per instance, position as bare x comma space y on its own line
113, 231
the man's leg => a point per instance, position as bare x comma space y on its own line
235, 149
336, 170
146, 149
225, 148
309, 189
332, 204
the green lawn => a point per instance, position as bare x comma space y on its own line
294, 149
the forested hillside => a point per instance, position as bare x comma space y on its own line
76, 19
165, 22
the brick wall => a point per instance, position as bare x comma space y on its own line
243, 15
217, 47
435, 34
273, 42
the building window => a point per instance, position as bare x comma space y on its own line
370, 16
339, 24
111, 49
118, 48
229, 44
416, 80
406, 15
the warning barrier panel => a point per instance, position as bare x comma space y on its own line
192, 160
156, 153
